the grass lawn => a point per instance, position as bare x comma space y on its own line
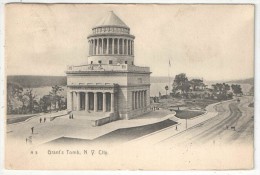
183, 114
187, 103
200, 103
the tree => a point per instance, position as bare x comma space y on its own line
45, 103
196, 84
31, 99
236, 88
13, 92
22, 98
181, 83
226, 88
56, 97
221, 90
166, 88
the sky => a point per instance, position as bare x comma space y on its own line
213, 42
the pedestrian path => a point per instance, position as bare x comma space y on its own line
76, 128
156, 137
183, 124
153, 138
95, 132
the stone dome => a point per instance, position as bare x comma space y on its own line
111, 20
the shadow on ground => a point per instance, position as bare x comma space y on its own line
115, 137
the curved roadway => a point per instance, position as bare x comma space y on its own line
233, 124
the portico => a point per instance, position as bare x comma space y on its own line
95, 99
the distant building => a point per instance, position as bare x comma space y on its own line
109, 83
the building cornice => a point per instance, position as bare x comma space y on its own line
84, 73
105, 35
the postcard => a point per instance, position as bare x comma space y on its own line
129, 86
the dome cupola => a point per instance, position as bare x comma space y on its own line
111, 42
111, 24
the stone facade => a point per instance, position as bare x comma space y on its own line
109, 83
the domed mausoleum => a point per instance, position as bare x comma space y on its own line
109, 86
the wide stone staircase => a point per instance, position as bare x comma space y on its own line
96, 118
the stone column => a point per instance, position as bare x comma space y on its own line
86, 101
89, 46
137, 105
96, 46
117, 46
92, 41
145, 99
130, 49
95, 101
102, 46
113, 45
139, 99
93, 47
71, 101
78, 101
123, 46
137, 102
133, 103
142, 100
133, 48
104, 102
107, 46
112, 102
73, 95
127, 47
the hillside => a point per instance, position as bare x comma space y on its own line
243, 81
28, 81
42, 81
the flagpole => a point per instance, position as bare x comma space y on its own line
169, 73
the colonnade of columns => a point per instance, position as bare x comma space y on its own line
96, 101
139, 99
114, 46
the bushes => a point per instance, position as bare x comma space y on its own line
183, 114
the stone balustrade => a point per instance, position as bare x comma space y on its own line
105, 67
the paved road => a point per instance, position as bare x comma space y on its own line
230, 114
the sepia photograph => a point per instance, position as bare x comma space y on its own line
129, 86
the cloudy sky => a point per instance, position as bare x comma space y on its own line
215, 42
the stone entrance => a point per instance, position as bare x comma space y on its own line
92, 101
